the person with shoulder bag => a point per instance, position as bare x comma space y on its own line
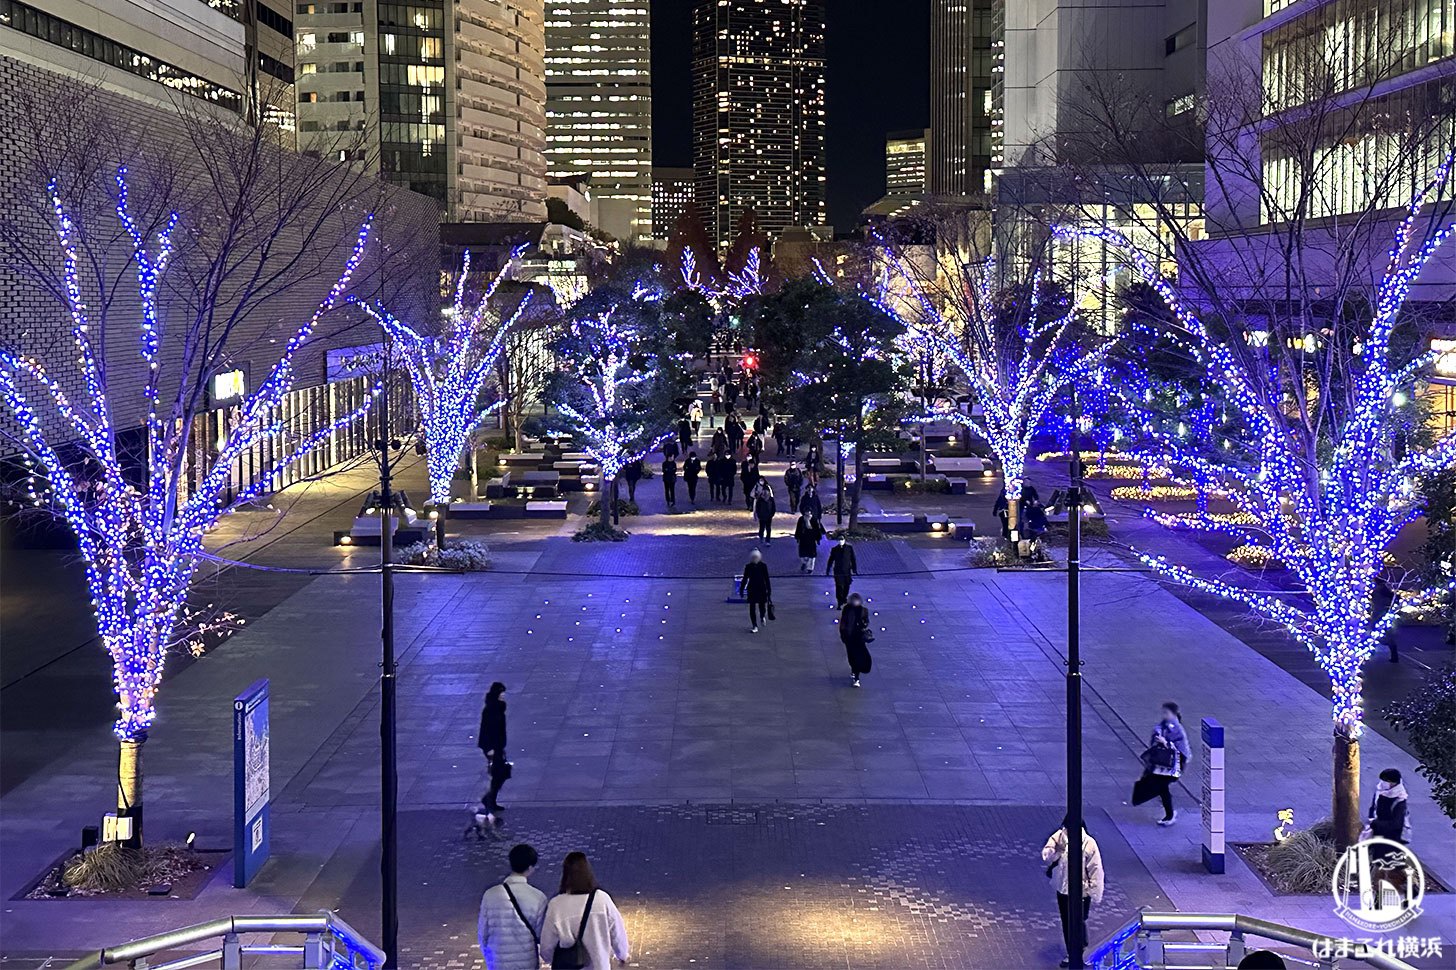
855, 634
583, 929
511, 914
1054, 857
1166, 756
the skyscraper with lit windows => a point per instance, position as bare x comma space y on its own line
447, 99
758, 113
965, 53
599, 106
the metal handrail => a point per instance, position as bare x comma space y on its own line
1148, 927
357, 951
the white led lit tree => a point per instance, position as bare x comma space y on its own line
619, 378
449, 370
140, 519
1018, 349
1324, 453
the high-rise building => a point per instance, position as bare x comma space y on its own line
758, 113
599, 106
965, 57
447, 99
672, 195
905, 162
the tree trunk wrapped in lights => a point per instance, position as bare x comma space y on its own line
449, 371
1324, 460
141, 543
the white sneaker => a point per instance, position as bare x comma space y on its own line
1169, 821
855, 682
754, 630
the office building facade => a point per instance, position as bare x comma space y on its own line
673, 194
965, 59
759, 113
599, 107
448, 100
905, 162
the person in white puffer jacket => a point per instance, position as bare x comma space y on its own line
1054, 855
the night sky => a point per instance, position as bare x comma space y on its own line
879, 74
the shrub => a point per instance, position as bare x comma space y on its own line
1303, 863
1428, 715
991, 552
860, 533
467, 555
931, 486
113, 867
596, 532
625, 506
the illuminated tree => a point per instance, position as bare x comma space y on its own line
140, 534
1324, 458
1018, 348
618, 380
449, 370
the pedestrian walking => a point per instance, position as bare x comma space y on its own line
669, 483
856, 635
582, 928
717, 402
764, 510
779, 434
692, 468
807, 533
511, 916
695, 417
730, 476
811, 504
1389, 816
755, 447
749, 477
843, 567
632, 471
720, 442
670, 448
794, 482
491, 739
1054, 856
1166, 756
734, 425
757, 588
685, 432
730, 392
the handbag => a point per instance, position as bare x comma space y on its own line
574, 957
1161, 759
771, 611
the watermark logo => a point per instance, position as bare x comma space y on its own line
1378, 885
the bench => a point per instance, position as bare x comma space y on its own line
958, 486
530, 460
883, 464
366, 530
546, 510
470, 510
970, 464
877, 483
907, 523
535, 484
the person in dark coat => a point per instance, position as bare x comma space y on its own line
685, 433
807, 533
720, 442
755, 446
670, 448
794, 482
854, 633
780, 433
692, 468
843, 567
1036, 519
735, 432
669, 483
633, 473
756, 588
764, 510
749, 477
491, 739
1389, 810
811, 504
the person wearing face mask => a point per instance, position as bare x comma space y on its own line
1163, 762
843, 567
757, 588
854, 633
1389, 816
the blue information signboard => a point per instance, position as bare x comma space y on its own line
1213, 795
250, 782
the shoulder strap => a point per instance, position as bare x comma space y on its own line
521, 913
585, 915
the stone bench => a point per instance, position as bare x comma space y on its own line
958, 486
883, 465
525, 461
970, 464
877, 483
546, 510
366, 531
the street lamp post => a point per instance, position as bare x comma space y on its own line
1075, 889
388, 763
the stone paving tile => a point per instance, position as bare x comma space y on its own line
775, 886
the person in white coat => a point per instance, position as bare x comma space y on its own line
602, 932
1054, 855
511, 914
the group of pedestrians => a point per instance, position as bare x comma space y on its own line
580, 927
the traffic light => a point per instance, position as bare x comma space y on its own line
750, 361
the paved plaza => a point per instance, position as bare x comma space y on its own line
745, 806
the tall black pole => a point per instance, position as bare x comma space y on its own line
1075, 889
839, 477
388, 763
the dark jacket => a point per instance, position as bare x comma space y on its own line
794, 479
720, 440
764, 507
749, 474
807, 535
669, 470
492, 734
1388, 818
853, 622
633, 470
755, 583
692, 468
812, 504
841, 561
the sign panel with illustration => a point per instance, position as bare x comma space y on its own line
250, 782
